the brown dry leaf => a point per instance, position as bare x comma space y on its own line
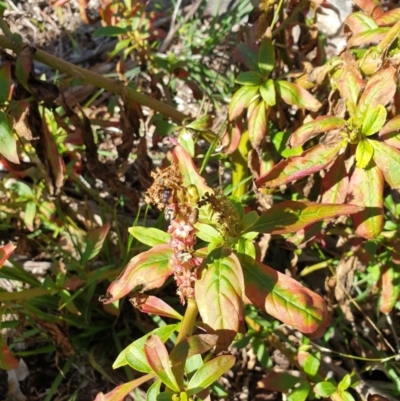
61, 341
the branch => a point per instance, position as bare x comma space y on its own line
97, 80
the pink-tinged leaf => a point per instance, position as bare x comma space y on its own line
158, 358
371, 7
295, 95
23, 65
55, 164
313, 128
350, 82
148, 270
247, 55
155, 306
390, 289
241, 100
296, 167
5, 82
219, 293
363, 38
231, 139
359, 22
335, 183
388, 161
380, 89
208, 373
389, 18
257, 123
390, 133
193, 345
94, 241
366, 190
279, 381
5, 253
122, 391
285, 298
8, 144
189, 171
290, 216
7, 360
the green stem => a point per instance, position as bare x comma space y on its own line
97, 80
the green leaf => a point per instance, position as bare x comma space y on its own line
266, 55
8, 145
346, 396
290, 216
241, 100
94, 242
257, 123
29, 215
5, 82
109, 31
364, 153
158, 359
374, 120
324, 389
371, 36
134, 355
208, 233
248, 220
390, 289
153, 391
295, 95
186, 140
279, 381
251, 78
345, 382
300, 393
388, 161
311, 364
360, 22
390, 132
219, 293
209, 373
388, 18
247, 55
149, 236
202, 124
267, 92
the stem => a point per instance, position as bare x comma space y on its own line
285, 23
97, 80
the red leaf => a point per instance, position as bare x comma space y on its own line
257, 123
280, 381
5, 252
313, 128
389, 18
155, 306
219, 294
366, 190
231, 138
295, 95
390, 132
247, 55
285, 298
5, 82
368, 37
380, 89
241, 100
388, 161
335, 184
360, 22
296, 167
371, 7
148, 269
7, 360
290, 216
390, 290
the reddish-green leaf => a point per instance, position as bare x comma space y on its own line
313, 128
148, 270
5, 253
364, 153
389, 18
285, 298
295, 95
296, 167
368, 37
388, 161
241, 100
158, 358
371, 7
5, 82
390, 289
120, 392
209, 373
374, 120
231, 139
267, 92
266, 55
8, 145
290, 216
23, 65
257, 123
149, 235
366, 190
7, 360
94, 242
189, 171
155, 306
279, 381
251, 78
247, 55
390, 133
360, 22
380, 89
219, 294
335, 183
